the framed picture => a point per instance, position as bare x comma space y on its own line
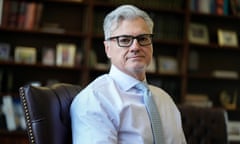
235, 7
65, 54
25, 54
198, 33
4, 51
233, 131
48, 56
227, 38
167, 64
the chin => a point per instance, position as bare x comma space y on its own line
140, 68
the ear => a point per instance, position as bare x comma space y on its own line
107, 49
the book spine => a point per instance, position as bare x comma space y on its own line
21, 14
6, 6
1, 11
38, 15
204, 6
30, 16
219, 7
13, 14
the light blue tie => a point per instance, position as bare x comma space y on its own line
153, 113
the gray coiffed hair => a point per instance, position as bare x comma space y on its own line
124, 12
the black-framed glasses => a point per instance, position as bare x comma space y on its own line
127, 40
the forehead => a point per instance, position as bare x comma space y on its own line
131, 27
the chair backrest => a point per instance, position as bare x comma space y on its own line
47, 112
48, 120
204, 125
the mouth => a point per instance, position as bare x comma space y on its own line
135, 57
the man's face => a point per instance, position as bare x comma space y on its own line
134, 59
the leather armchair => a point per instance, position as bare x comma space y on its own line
48, 119
204, 125
47, 112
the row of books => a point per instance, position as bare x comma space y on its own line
64, 54
198, 100
165, 26
175, 4
219, 7
20, 14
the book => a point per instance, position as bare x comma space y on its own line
31, 10
12, 14
167, 65
21, 14
38, 15
225, 74
52, 28
48, 56
235, 7
1, 11
4, 51
5, 13
198, 100
204, 6
221, 7
65, 55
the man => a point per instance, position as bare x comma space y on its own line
111, 110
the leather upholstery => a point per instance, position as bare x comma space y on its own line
204, 125
47, 112
48, 119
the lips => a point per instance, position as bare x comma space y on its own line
135, 57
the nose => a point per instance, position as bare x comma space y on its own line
135, 45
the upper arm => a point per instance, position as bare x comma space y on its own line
91, 120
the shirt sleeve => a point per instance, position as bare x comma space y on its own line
92, 122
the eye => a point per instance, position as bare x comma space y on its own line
143, 38
125, 40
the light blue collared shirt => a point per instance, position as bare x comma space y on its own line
110, 111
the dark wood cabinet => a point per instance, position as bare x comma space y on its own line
80, 22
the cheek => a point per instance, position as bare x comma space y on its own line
116, 54
149, 52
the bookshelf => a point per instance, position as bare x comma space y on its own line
79, 22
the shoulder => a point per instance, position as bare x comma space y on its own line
162, 97
159, 91
92, 94
98, 87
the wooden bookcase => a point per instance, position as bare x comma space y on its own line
80, 22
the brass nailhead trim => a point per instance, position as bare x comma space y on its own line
27, 116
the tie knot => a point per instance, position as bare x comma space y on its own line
142, 87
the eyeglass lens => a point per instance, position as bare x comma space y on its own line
127, 40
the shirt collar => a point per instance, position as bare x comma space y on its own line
124, 81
